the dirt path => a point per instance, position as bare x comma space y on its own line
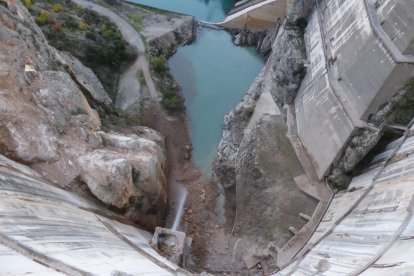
129, 90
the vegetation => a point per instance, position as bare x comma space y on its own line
43, 18
82, 25
28, 4
403, 110
57, 7
91, 38
90, 35
341, 181
158, 63
135, 20
171, 100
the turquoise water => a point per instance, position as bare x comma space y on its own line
213, 73
207, 10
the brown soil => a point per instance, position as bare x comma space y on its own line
199, 219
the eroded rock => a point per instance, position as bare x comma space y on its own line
47, 122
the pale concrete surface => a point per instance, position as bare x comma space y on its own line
46, 230
256, 15
354, 67
367, 229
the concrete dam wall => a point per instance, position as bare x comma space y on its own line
356, 63
367, 229
255, 15
48, 231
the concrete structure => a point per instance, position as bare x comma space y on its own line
368, 229
255, 15
173, 245
47, 231
359, 55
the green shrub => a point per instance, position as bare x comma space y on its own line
90, 35
171, 101
44, 18
107, 33
57, 7
159, 64
28, 4
82, 25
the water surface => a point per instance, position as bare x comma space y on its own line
214, 76
213, 73
207, 10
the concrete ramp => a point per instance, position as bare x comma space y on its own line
256, 15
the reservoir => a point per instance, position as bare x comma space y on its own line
213, 73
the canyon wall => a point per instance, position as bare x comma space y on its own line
49, 121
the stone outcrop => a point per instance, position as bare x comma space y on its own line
282, 75
47, 122
164, 32
256, 163
86, 81
262, 40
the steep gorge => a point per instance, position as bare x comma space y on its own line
271, 165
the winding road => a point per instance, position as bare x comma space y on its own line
129, 90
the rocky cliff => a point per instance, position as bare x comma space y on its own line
256, 163
49, 122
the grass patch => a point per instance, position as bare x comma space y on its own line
135, 20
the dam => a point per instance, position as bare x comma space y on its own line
359, 57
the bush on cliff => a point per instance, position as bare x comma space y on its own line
158, 63
57, 7
171, 100
28, 4
44, 18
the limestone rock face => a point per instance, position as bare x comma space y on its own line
256, 163
47, 122
87, 80
298, 8
283, 78
262, 40
109, 177
164, 34
233, 132
288, 58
